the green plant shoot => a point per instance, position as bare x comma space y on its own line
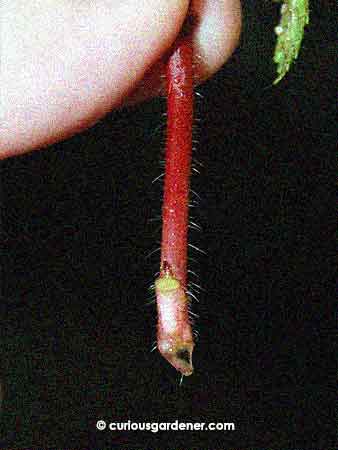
290, 31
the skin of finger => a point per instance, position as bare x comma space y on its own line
217, 33
215, 37
65, 67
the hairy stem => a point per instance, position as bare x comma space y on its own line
174, 333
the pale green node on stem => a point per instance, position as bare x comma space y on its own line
290, 31
167, 283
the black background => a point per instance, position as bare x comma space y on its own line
76, 332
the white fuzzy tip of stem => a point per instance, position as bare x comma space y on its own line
174, 335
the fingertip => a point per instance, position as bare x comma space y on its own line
87, 58
216, 34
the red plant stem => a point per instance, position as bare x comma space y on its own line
178, 159
174, 335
